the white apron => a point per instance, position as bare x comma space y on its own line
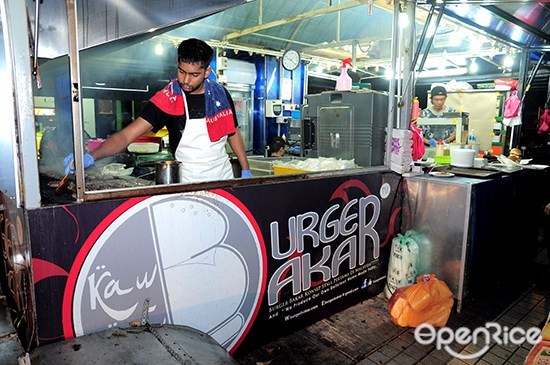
201, 159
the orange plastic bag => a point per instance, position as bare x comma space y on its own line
427, 301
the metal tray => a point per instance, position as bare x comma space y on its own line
474, 172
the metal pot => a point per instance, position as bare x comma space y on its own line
167, 172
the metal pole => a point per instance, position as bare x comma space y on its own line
431, 39
532, 76
398, 73
423, 35
523, 70
391, 91
411, 82
408, 69
515, 130
74, 66
35, 71
21, 184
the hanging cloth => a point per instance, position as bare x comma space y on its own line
418, 142
512, 110
544, 122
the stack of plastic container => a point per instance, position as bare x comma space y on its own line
401, 150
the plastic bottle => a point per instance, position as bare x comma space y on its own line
471, 137
439, 148
415, 109
344, 80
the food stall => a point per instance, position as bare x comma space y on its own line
240, 260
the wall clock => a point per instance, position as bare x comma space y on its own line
291, 60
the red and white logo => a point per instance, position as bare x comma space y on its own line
198, 257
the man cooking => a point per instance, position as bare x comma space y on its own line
435, 133
199, 115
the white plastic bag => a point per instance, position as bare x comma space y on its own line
424, 262
402, 268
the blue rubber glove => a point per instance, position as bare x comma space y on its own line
432, 142
69, 166
245, 174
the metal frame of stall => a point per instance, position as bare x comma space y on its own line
24, 271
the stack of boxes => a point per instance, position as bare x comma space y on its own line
401, 150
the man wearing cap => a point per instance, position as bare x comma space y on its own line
435, 133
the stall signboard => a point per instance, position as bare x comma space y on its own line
243, 264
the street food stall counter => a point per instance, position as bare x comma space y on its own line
242, 263
240, 260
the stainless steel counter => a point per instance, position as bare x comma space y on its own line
466, 222
440, 209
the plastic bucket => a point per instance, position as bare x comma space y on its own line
462, 157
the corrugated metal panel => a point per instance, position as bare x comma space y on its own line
312, 31
526, 25
328, 36
102, 21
